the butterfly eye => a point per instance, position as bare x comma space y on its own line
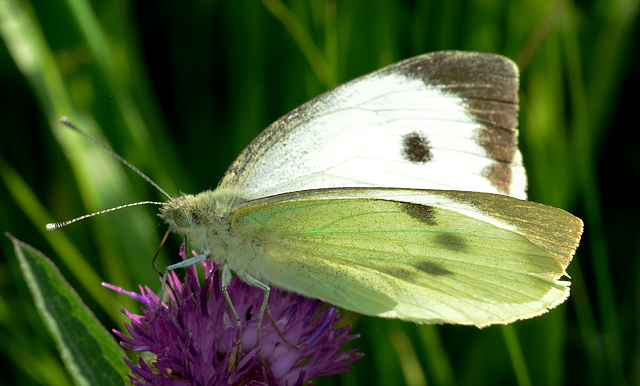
180, 217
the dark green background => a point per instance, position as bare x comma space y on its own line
179, 88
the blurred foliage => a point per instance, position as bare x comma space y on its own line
179, 90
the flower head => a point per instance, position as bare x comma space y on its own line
195, 339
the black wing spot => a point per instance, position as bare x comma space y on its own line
451, 241
432, 269
423, 213
414, 270
416, 148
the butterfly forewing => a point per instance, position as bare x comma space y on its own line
414, 255
445, 120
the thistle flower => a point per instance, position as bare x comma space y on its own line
194, 339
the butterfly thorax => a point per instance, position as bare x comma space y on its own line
204, 219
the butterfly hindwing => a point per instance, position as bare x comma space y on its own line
426, 256
445, 120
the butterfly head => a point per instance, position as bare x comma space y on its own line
203, 218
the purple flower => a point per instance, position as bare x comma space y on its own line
195, 340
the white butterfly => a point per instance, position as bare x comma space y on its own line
392, 195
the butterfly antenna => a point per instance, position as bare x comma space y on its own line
65, 121
57, 225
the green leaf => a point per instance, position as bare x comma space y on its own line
90, 352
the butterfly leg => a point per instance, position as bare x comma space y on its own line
237, 345
264, 307
183, 264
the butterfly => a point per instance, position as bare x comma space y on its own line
399, 194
